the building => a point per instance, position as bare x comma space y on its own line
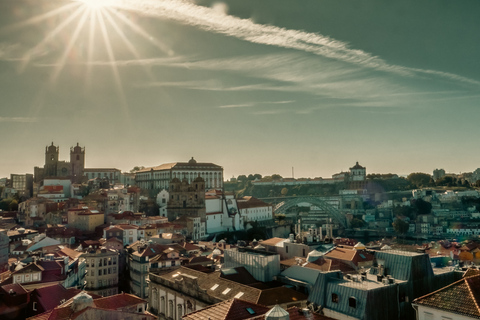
158, 178
102, 267
143, 256
253, 209
222, 212
83, 306
183, 290
383, 292
113, 175
85, 219
54, 168
186, 199
262, 265
458, 301
127, 234
4, 241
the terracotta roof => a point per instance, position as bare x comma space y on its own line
349, 255
233, 309
279, 295
298, 314
118, 301
271, 241
461, 297
50, 297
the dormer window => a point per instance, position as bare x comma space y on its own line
352, 302
335, 298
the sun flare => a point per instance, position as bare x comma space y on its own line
94, 4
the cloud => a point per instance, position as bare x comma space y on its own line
218, 21
18, 119
237, 105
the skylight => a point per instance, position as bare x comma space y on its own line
238, 295
215, 286
226, 291
250, 310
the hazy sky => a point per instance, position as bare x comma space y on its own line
256, 86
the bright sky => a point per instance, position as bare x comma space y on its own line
253, 86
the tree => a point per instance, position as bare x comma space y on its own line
284, 191
357, 223
419, 179
276, 176
136, 168
400, 226
257, 176
242, 178
422, 206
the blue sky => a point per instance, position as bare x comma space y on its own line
254, 86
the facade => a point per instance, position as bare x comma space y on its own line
102, 271
143, 256
113, 175
180, 291
22, 184
222, 212
54, 168
4, 241
158, 178
128, 234
262, 265
85, 219
186, 199
253, 209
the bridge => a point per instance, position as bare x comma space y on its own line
333, 212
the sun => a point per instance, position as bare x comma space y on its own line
95, 4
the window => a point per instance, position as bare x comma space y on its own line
352, 302
335, 297
34, 306
286, 249
428, 316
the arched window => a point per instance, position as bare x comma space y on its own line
179, 312
162, 305
155, 300
189, 307
170, 308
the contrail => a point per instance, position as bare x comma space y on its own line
214, 21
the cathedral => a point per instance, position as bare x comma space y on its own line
55, 168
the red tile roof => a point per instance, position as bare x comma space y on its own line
118, 301
461, 297
233, 309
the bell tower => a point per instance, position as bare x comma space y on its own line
51, 160
77, 161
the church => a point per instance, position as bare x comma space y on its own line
54, 168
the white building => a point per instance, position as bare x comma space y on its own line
158, 178
222, 212
162, 201
358, 173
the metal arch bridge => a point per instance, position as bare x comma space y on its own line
283, 206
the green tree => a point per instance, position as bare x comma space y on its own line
419, 179
136, 168
400, 226
242, 178
357, 223
276, 176
422, 207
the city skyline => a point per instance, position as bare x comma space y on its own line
256, 87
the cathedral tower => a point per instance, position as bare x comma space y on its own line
51, 160
77, 162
